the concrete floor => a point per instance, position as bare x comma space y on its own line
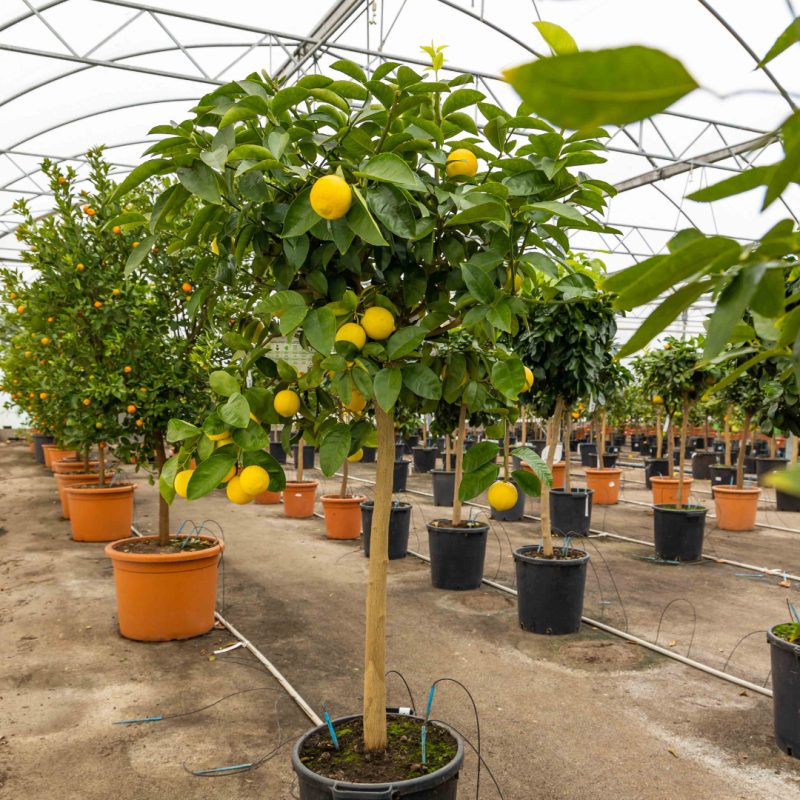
571, 717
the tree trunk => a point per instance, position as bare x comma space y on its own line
300, 459
552, 440
447, 453
794, 450
524, 426
505, 453
86, 457
682, 459
659, 434
743, 450
670, 458
567, 437
728, 436
163, 508
706, 444
101, 463
773, 446
462, 421
375, 645
602, 439
343, 487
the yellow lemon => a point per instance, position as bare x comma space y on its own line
182, 482
215, 247
231, 474
254, 480
254, 418
236, 494
216, 437
357, 456
378, 322
502, 496
528, 379
357, 402
575, 415
287, 403
331, 197
353, 333
658, 400
461, 162
517, 280
223, 442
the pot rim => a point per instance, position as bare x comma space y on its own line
605, 470
161, 558
473, 530
667, 479
298, 484
550, 562
668, 508
442, 472
334, 499
733, 490
128, 487
782, 643
399, 786
575, 491
401, 506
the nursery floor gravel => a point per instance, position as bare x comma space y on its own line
570, 717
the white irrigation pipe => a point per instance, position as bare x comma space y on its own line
290, 690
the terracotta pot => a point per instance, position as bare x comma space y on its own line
103, 514
64, 479
47, 450
558, 474
342, 516
57, 454
66, 465
268, 498
665, 490
735, 508
165, 596
299, 499
33, 451
605, 483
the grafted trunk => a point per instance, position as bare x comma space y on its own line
748, 416
659, 434
163, 508
567, 460
728, 436
506, 472
682, 458
343, 487
462, 421
552, 440
101, 463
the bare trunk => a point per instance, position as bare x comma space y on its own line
552, 439
794, 450
602, 439
300, 459
524, 426
682, 459
505, 452
659, 434
163, 508
447, 453
728, 436
101, 463
343, 487
743, 450
670, 459
707, 444
86, 457
375, 644
462, 421
773, 447
567, 438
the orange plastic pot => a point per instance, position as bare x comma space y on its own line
665, 490
64, 479
299, 499
56, 454
165, 596
47, 452
605, 484
342, 516
31, 446
103, 514
71, 465
268, 498
736, 508
559, 471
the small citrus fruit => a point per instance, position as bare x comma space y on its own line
502, 496
21, 309
87, 402
127, 369
43, 395
331, 197
217, 437
235, 492
353, 333
357, 456
528, 379
139, 423
461, 162
254, 480
357, 402
182, 482
223, 442
517, 280
187, 287
378, 322
658, 400
287, 403
131, 408
116, 229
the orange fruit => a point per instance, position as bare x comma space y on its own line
80, 267
116, 229
21, 309
62, 179
142, 389
187, 287
127, 369
49, 319
87, 402
43, 395
131, 408
98, 304
139, 423
135, 244
91, 212
115, 292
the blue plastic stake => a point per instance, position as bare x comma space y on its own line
747, 575
794, 611
129, 721
427, 717
331, 731
221, 769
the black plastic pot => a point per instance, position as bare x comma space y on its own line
425, 458
468, 443
444, 484
400, 476
538, 445
719, 447
308, 456
399, 525
766, 465
38, 440
573, 445
439, 785
679, 532
786, 502
636, 446
277, 452
647, 449
571, 512
587, 450
443, 456
619, 441
516, 512
457, 556
722, 476
785, 658
369, 454
549, 592
609, 460
655, 468
411, 443
701, 465
399, 450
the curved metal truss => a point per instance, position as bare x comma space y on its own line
662, 155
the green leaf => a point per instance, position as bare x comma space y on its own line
158, 166
405, 341
527, 482
213, 425
235, 341
169, 470
334, 449
167, 492
786, 171
237, 113
286, 98
178, 430
743, 182
478, 455
361, 222
392, 208
209, 473
783, 42
484, 212
236, 411
768, 300
223, 383
300, 217
508, 377
461, 98
253, 437
320, 329
475, 396
784, 480
388, 167
559, 40
388, 383
200, 180
456, 376
363, 382
477, 482
422, 381
616, 86
559, 209
536, 463
350, 68
169, 201
139, 254
542, 263
130, 218
500, 317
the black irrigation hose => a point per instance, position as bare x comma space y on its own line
694, 627
408, 688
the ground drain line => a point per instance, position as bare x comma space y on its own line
305, 707
643, 642
770, 571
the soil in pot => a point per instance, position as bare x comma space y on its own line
444, 484
399, 526
165, 593
679, 532
100, 513
299, 499
342, 516
401, 761
425, 458
785, 658
571, 513
457, 554
550, 590
736, 508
